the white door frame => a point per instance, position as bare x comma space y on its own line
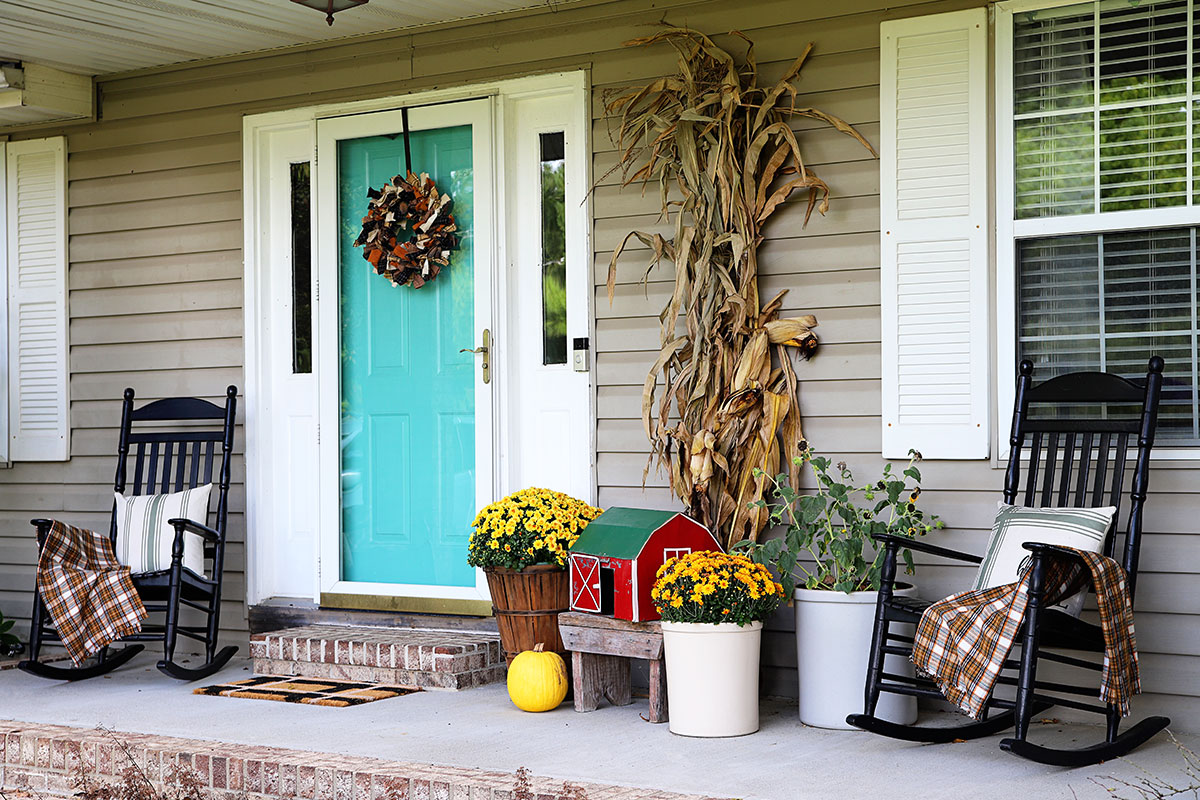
274, 568
257, 156
532, 452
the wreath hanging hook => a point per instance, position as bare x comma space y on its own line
407, 143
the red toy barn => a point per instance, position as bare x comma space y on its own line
614, 561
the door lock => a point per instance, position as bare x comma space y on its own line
484, 350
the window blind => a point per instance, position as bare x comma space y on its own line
1106, 302
1103, 108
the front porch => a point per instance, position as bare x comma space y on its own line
456, 744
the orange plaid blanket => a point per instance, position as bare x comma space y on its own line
962, 641
89, 596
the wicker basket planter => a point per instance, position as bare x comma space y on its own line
527, 603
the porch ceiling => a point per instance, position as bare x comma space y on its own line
100, 37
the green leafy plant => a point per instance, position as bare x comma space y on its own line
827, 543
9, 643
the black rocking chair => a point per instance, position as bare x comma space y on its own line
163, 461
1072, 462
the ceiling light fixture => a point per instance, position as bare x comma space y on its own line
331, 7
11, 76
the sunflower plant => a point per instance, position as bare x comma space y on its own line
827, 533
532, 526
715, 587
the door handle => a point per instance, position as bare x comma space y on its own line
484, 350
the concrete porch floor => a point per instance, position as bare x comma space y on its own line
481, 728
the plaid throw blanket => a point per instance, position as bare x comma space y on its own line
963, 641
89, 596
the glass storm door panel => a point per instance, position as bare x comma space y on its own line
408, 395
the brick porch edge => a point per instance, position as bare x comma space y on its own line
44, 759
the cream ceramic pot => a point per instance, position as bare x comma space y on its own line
833, 646
712, 677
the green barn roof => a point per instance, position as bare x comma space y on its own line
620, 532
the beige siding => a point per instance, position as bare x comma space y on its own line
832, 270
156, 289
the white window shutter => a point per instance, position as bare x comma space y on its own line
36, 222
934, 243
4, 382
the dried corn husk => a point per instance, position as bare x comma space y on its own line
721, 398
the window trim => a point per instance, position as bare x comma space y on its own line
541, 162
1008, 229
675, 552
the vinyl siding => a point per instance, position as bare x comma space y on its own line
156, 289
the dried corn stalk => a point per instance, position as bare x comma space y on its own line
725, 159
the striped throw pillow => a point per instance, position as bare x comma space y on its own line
1082, 528
144, 538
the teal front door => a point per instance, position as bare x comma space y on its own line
409, 397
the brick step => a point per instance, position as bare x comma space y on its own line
430, 659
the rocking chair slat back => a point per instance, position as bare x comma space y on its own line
1085, 463
1060, 447
1068, 463
166, 461
178, 408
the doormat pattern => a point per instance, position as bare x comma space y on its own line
311, 691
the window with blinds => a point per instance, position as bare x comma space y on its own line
1103, 105
1105, 196
1106, 302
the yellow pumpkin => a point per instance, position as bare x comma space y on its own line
537, 680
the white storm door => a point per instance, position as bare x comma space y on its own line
406, 447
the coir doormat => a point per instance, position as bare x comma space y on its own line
312, 691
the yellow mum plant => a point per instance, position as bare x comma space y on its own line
708, 586
532, 526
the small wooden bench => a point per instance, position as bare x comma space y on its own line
601, 649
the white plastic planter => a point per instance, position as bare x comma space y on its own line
833, 646
712, 677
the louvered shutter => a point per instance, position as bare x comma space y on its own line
934, 244
4, 383
36, 214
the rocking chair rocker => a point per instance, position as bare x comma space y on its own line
163, 461
1075, 462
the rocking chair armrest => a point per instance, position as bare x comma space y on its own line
925, 547
1057, 551
43, 527
180, 524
